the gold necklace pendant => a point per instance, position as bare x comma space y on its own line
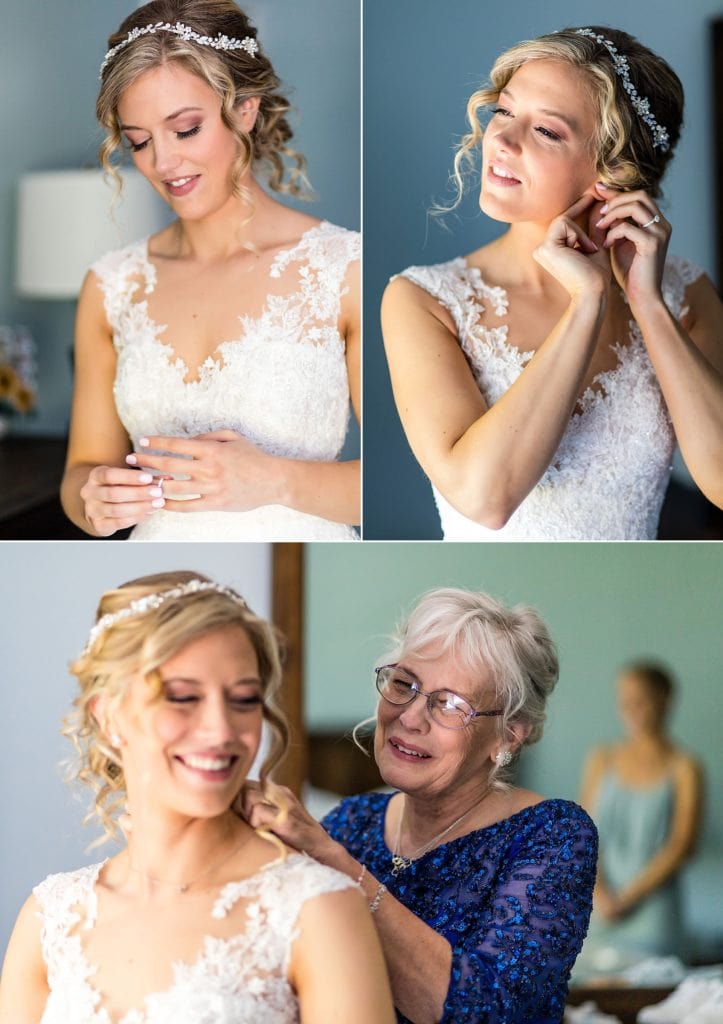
400, 863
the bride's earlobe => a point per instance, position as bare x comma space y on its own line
247, 111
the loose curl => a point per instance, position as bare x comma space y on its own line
623, 143
140, 645
234, 75
512, 645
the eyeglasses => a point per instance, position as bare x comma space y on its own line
445, 707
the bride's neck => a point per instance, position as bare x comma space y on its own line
226, 231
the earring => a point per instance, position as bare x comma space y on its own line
503, 758
115, 740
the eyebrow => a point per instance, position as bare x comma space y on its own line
441, 689
247, 681
171, 117
571, 123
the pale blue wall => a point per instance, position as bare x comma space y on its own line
422, 60
49, 59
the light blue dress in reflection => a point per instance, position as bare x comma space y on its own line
634, 824
513, 901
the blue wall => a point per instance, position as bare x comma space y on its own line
422, 60
49, 59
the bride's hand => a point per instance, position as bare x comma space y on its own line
225, 472
116, 498
276, 809
637, 238
573, 256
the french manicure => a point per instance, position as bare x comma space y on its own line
145, 478
604, 208
144, 442
156, 492
158, 502
132, 459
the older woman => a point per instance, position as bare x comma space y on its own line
481, 891
198, 919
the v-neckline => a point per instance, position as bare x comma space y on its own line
215, 361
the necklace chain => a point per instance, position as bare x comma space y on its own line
400, 863
182, 887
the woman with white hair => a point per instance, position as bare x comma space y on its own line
481, 891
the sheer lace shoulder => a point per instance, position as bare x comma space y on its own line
282, 383
607, 480
238, 980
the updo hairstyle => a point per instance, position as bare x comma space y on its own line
511, 644
626, 157
234, 75
140, 644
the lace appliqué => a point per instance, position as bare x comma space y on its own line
240, 980
282, 384
608, 477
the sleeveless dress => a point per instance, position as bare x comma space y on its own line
634, 825
282, 384
238, 980
608, 477
513, 901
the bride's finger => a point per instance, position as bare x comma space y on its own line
640, 213
642, 238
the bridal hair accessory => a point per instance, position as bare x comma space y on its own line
503, 758
640, 104
219, 42
653, 220
152, 601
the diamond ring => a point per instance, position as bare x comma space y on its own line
653, 220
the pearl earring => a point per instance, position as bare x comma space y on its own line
115, 740
503, 758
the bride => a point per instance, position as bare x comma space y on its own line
199, 919
214, 360
543, 380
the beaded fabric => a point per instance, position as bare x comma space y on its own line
608, 477
240, 975
513, 900
281, 383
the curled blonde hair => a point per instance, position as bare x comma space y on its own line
234, 75
512, 645
140, 644
623, 143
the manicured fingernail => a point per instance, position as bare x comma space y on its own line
132, 460
144, 478
158, 502
601, 184
604, 208
144, 442
156, 492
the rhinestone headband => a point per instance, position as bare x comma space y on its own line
152, 601
219, 42
640, 104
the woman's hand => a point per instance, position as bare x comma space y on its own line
277, 810
115, 498
224, 471
637, 235
574, 257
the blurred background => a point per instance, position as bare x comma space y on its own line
50, 56
422, 61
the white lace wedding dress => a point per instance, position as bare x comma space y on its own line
282, 384
237, 980
608, 477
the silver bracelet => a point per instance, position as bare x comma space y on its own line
377, 899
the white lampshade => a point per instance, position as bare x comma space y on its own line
67, 219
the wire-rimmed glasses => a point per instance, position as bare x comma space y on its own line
445, 707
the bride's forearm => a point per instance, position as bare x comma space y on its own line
494, 465
331, 490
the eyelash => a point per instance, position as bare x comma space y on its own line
240, 703
545, 132
136, 147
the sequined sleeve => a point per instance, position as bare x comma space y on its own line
513, 900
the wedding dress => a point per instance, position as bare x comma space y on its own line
237, 980
608, 477
282, 384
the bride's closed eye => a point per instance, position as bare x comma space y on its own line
136, 147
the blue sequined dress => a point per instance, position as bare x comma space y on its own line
513, 901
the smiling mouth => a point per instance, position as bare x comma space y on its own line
202, 763
408, 750
500, 173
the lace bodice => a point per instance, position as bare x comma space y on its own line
608, 477
237, 980
282, 384
513, 901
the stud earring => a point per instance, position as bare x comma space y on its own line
115, 740
503, 758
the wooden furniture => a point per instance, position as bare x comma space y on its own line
623, 1003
